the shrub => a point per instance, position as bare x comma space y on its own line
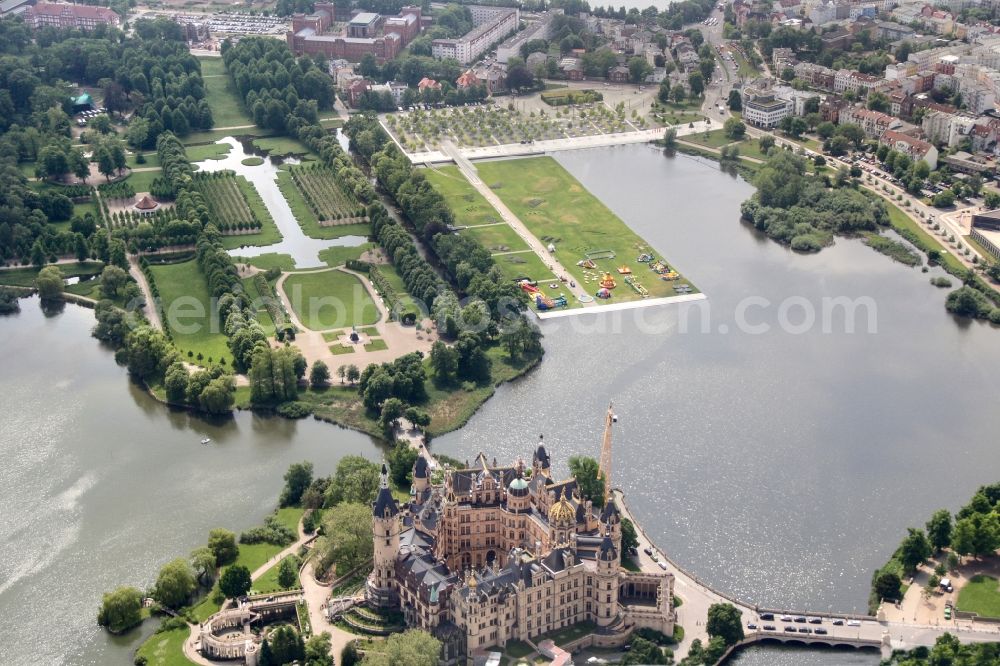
294, 409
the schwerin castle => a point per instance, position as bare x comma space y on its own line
490, 554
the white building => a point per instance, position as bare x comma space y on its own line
492, 24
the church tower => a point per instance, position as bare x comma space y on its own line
385, 535
562, 521
421, 476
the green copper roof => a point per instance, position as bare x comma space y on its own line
518, 484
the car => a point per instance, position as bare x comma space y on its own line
786, 618
647, 550
947, 612
820, 631
767, 616
800, 619
815, 620
768, 627
838, 623
854, 623
751, 625
791, 630
805, 630
663, 565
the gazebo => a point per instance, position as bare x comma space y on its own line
146, 205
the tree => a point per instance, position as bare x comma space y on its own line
318, 650
444, 362
630, 538
725, 620
697, 83
734, 128
288, 572
735, 100
914, 549
638, 69
120, 610
297, 479
223, 544
287, 645
413, 647
203, 563
342, 373
235, 581
944, 199
355, 480
175, 381
887, 585
825, 129
49, 283
939, 529
679, 94
113, 280
175, 583
839, 145
417, 417
586, 471
644, 652
105, 162
347, 537
353, 374
319, 375
878, 102
392, 409
766, 142
992, 200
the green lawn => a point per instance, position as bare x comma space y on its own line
81, 209
277, 260
252, 556
210, 136
330, 299
980, 595
330, 123
268, 235
25, 277
140, 181
269, 581
556, 208
195, 327
166, 648
376, 344
524, 264
307, 219
223, 99
207, 151
497, 238
713, 139
263, 316
468, 205
395, 280
338, 255
282, 145
151, 156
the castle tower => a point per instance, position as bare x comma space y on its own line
606, 583
611, 521
421, 475
540, 463
385, 535
562, 521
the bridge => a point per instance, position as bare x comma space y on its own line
794, 627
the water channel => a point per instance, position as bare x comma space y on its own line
782, 467
303, 249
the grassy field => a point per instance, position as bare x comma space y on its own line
196, 328
556, 208
524, 264
406, 302
227, 107
269, 581
151, 156
282, 145
252, 556
25, 277
263, 316
337, 256
307, 219
497, 238
376, 344
713, 139
140, 181
330, 299
166, 648
980, 595
277, 260
208, 151
468, 205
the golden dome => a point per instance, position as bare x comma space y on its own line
562, 512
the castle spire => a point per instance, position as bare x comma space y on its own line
605, 465
384, 481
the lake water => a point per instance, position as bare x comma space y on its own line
303, 249
102, 484
781, 467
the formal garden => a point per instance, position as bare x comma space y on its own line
492, 125
324, 300
321, 190
237, 208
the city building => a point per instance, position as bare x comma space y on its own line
762, 106
58, 15
541, 29
493, 553
491, 25
365, 33
916, 149
986, 231
874, 123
